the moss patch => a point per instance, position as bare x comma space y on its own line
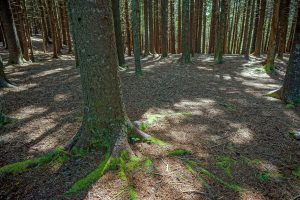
179, 152
19, 167
153, 140
266, 175
132, 193
296, 172
250, 162
225, 163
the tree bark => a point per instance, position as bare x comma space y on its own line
185, 32
128, 34
179, 28
136, 36
283, 26
292, 33
172, 28
204, 27
259, 34
53, 29
151, 34
12, 39
118, 32
213, 24
146, 24
164, 27
291, 85
245, 49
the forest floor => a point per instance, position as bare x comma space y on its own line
238, 138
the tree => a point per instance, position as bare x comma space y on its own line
55, 44
3, 80
146, 24
105, 122
186, 58
283, 26
272, 41
213, 24
291, 85
151, 34
136, 36
118, 32
12, 39
164, 28
204, 26
259, 34
172, 28
179, 28
221, 31
255, 25
127, 24
246, 32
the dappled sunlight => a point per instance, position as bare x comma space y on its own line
29, 111
61, 97
251, 194
49, 72
242, 136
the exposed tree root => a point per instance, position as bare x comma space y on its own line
5, 83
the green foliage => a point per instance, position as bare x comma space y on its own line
4, 120
19, 167
250, 162
153, 140
266, 175
269, 68
148, 163
82, 152
91, 178
296, 172
180, 152
290, 106
232, 186
225, 163
132, 193
294, 104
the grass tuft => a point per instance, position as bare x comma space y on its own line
132, 193
225, 163
153, 140
180, 152
296, 172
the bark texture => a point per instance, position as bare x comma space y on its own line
185, 32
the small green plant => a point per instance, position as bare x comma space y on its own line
250, 162
153, 140
180, 152
269, 68
290, 106
296, 172
266, 175
225, 163
132, 193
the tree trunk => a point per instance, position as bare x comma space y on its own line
259, 34
213, 24
291, 85
292, 33
192, 31
185, 32
44, 25
221, 31
136, 33
246, 32
164, 27
179, 28
172, 28
273, 37
204, 26
151, 34
235, 29
53, 29
156, 26
105, 121
146, 24
69, 41
127, 24
118, 32
283, 26
12, 39
252, 49
3, 80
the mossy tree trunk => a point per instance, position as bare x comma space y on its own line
186, 58
12, 39
136, 36
164, 28
118, 32
291, 85
104, 122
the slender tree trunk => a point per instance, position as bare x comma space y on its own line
44, 25
53, 29
69, 41
259, 34
283, 26
118, 32
185, 32
241, 40
146, 24
4, 82
221, 31
192, 31
204, 26
292, 33
164, 27
136, 40
12, 39
291, 85
179, 28
156, 26
213, 24
172, 28
151, 34
63, 22
246, 31
252, 49
235, 29
272, 41
127, 24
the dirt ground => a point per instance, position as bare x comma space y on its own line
236, 135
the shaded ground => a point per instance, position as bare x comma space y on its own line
218, 112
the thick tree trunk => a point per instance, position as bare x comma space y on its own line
104, 121
164, 27
272, 41
12, 39
283, 26
136, 36
185, 32
259, 34
118, 32
291, 85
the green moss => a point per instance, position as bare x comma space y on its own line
250, 162
296, 172
290, 106
225, 163
266, 175
153, 140
91, 178
132, 193
232, 186
148, 163
19, 167
269, 68
180, 152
